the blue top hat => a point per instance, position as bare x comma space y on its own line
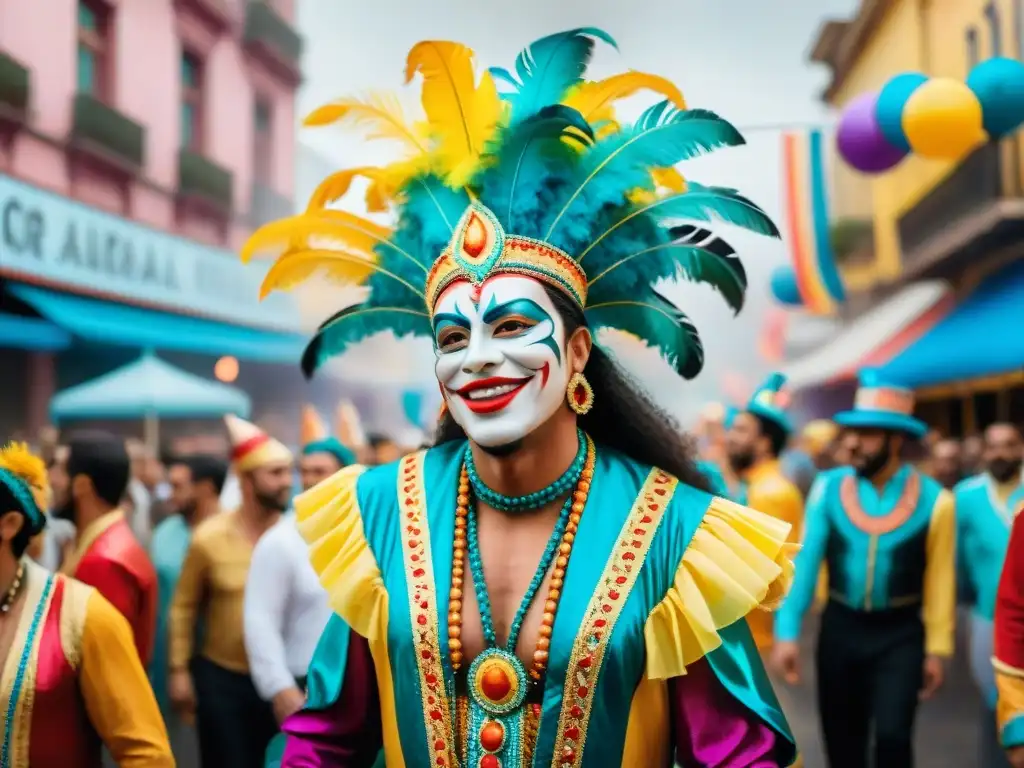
880, 404
765, 402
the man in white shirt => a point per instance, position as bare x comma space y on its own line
285, 607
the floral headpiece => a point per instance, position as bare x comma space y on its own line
540, 180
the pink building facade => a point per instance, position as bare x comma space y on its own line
140, 142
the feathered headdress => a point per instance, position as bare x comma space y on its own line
539, 180
24, 475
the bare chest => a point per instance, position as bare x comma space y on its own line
511, 551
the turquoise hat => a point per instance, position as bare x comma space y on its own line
881, 404
332, 446
765, 402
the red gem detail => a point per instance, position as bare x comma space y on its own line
576, 711
586, 661
495, 684
441, 761
413, 543
613, 594
435, 714
426, 654
628, 556
646, 519
439, 745
572, 733
424, 604
474, 238
639, 532
418, 573
638, 544
599, 623
431, 699
490, 761
421, 620
652, 507
620, 579
660, 491
606, 608
415, 558
431, 679
582, 691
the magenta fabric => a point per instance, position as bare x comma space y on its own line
712, 728
346, 734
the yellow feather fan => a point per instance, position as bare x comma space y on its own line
17, 459
595, 100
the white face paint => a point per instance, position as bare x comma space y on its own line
500, 359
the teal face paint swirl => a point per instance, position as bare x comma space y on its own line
529, 309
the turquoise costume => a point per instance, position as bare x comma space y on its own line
651, 635
874, 571
167, 550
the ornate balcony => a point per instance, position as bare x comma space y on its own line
273, 40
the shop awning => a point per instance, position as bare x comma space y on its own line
148, 388
107, 322
981, 337
32, 333
874, 337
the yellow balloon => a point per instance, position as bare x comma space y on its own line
942, 119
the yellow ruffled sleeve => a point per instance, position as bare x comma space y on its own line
738, 561
331, 522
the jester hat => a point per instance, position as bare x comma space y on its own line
540, 180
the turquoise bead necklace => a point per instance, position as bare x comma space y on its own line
476, 568
529, 501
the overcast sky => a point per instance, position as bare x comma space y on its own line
745, 59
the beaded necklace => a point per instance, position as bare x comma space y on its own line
12, 592
498, 681
530, 501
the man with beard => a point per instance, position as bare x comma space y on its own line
754, 443
887, 535
984, 517
945, 463
196, 483
89, 480
213, 682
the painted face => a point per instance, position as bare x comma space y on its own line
500, 359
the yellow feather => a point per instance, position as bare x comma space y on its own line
594, 100
355, 232
340, 267
336, 186
295, 267
17, 459
462, 115
382, 112
669, 178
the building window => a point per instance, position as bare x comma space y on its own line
994, 30
972, 47
263, 148
191, 102
93, 48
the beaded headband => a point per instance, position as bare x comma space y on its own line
480, 249
23, 495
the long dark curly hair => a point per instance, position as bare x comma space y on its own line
623, 417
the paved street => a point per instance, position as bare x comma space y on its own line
947, 727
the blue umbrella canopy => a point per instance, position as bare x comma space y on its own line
149, 387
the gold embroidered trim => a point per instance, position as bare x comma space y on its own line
617, 581
72, 620
423, 607
22, 732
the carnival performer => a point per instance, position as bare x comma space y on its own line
196, 484
755, 441
1008, 645
89, 481
286, 609
556, 551
887, 535
984, 518
72, 681
212, 682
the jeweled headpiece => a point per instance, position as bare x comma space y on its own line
540, 181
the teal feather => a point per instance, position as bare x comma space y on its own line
661, 138
355, 323
524, 153
659, 323
547, 68
689, 252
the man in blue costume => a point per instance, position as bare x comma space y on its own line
552, 584
887, 536
984, 517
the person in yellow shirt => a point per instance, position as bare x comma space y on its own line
72, 681
211, 682
756, 438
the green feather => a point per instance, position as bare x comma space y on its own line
355, 323
659, 323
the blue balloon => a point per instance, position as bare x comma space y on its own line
889, 109
999, 85
784, 286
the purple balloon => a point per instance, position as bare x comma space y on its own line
860, 139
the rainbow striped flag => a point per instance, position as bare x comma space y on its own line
805, 194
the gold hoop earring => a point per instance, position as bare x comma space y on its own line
579, 394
